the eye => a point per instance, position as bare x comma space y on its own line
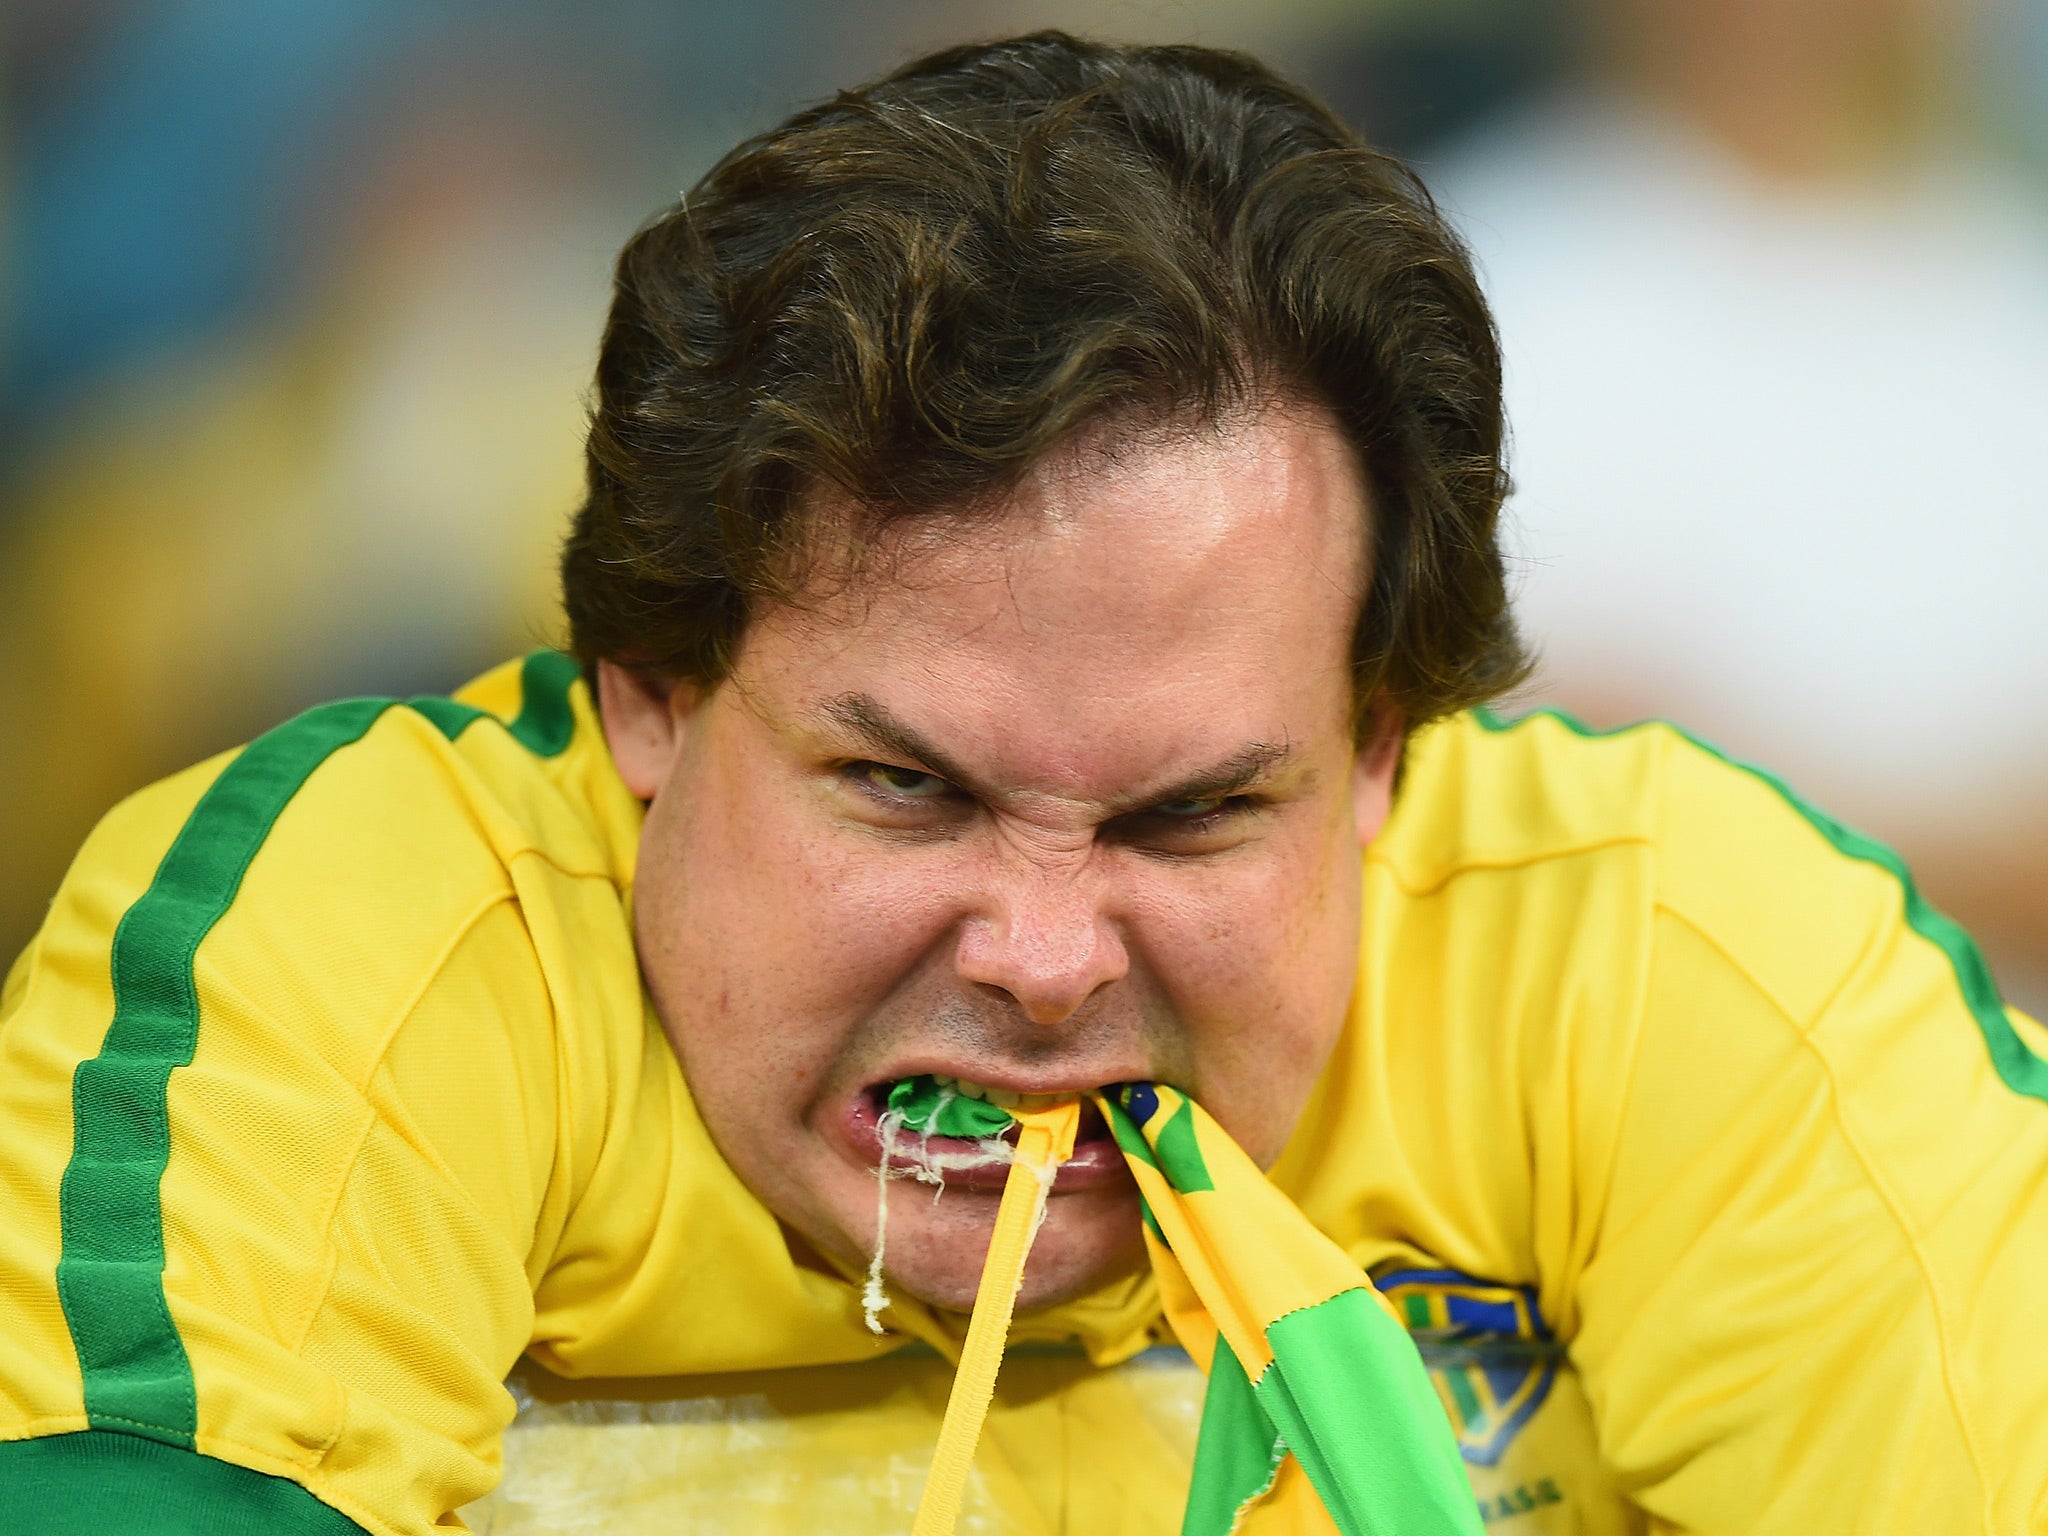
897, 783
1204, 824
1191, 810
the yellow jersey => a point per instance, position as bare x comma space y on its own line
1700, 1156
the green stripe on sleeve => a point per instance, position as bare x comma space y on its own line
2017, 1066
447, 716
137, 1375
110, 1273
546, 722
1349, 1394
63, 1485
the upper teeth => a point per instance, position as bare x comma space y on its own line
1002, 1097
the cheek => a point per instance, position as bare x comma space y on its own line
1258, 962
769, 933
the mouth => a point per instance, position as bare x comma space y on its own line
976, 1162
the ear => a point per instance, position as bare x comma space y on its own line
1374, 767
645, 719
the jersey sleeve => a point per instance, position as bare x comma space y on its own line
1814, 1297
279, 1090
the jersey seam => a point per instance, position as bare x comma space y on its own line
51, 1426
1645, 962
373, 1117
45, 1425
317, 1463
1896, 1209
429, 974
531, 850
428, 1154
1734, 962
1432, 886
1803, 1033
1670, 741
308, 1476
562, 1171
1935, 1294
450, 758
1785, 1015
32, 972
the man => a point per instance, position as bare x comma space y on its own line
1038, 561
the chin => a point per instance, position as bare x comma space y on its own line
935, 1249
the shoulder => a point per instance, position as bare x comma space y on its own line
1778, 888
326, 870
1478, 791
356, 1007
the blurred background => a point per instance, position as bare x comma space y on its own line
299, 303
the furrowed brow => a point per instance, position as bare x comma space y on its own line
875, 727
869, 721
1244, 769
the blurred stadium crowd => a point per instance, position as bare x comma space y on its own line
299, 304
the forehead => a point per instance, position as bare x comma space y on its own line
1163, 572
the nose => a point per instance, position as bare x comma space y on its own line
1045, 940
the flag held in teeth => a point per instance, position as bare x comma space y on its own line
1319, 1415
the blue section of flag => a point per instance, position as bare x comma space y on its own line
1142, 1100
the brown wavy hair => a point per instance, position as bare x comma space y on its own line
918, 289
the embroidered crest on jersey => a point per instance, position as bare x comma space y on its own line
1489, 1354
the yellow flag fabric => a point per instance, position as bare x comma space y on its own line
1309, 1369
1045, 1139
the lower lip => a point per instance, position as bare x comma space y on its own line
1096, 1162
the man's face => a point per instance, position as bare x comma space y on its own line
1048, 797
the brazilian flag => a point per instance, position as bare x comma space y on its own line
1319, 1414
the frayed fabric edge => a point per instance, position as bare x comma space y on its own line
927, 1167
1243, 1511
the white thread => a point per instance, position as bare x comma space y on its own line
872, 1297
1045, 1172
927, 1167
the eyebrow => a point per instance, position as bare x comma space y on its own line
877, 727
868, 718
1246, 768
